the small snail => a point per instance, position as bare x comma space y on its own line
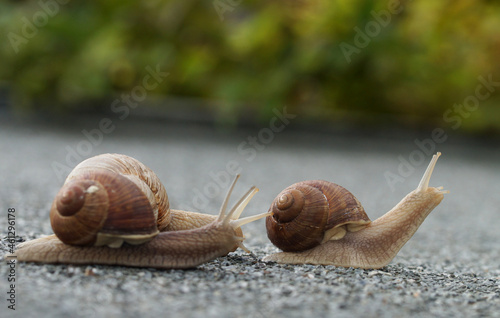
113, 199
319, 222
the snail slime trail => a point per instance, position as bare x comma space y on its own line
11, 261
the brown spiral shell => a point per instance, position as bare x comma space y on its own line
308, 213
110, 199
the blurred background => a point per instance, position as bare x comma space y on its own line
418, 64
356, 92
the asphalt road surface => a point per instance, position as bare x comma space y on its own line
450, 268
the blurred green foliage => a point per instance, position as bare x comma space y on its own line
346, 60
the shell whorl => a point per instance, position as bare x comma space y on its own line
140, 174
310, 212
79, 212
302, 228
70, 199
288, 205
110, 199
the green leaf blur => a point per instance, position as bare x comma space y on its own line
412, 63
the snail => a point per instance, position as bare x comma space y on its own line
112, 199
319, 222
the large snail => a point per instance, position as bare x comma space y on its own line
113, 199
319, 222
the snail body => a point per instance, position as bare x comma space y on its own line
336, 229
112, 199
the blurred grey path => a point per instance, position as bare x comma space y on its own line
450, 268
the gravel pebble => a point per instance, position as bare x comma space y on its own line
450, 268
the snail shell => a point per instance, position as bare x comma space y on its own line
309, 213
110, 199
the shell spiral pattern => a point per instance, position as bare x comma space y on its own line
308, 213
